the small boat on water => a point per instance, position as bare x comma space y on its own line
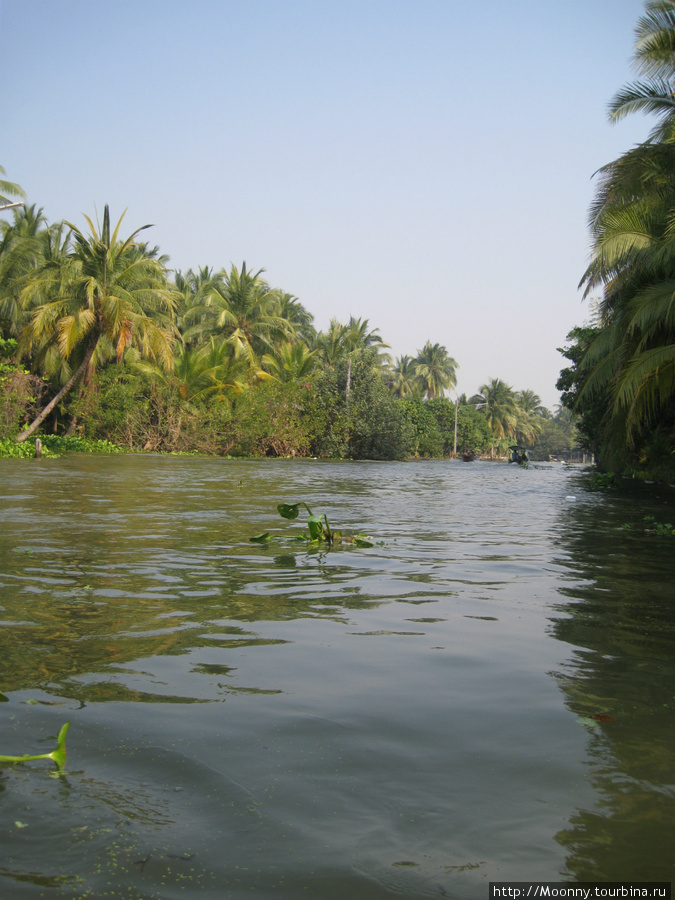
469, 456
519, 455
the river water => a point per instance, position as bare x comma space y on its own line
488, 693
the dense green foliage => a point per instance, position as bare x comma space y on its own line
102, 345
622, 382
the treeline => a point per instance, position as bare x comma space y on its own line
621, 381
99, 338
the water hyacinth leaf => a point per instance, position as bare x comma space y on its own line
288, 510
58, 755
362, 542
315, 525
263, 538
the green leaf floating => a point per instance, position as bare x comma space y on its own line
319, 528
291, 510
58, 756
315, 525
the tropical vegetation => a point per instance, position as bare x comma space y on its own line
103, 345
622, 379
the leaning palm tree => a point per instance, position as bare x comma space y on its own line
436, 370
107, 295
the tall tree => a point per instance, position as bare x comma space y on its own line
435, 369
498, 402
300, 319
107, 294
23, 244
243, 309
404, 382
632, 358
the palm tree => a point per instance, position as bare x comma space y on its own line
530, 416
530, 402
199, 372
194, 290
8, 189
22, 247
333, 344
105, 296
291, 361
243, 309
498, 402
654, 58
300, 319
436, 370
404, 381
632, 360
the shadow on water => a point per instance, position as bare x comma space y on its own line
619, 617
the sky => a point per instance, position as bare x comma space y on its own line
424, 164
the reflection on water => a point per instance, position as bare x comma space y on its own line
621, 679
486, 694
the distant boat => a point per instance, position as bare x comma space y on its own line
469, 456
519, 455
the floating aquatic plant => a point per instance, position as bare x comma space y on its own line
319, 531
651, 526
58, 756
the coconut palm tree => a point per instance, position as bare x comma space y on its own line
300, 319
291, 361
108, 294
654, 58
530, 402
7, 190
242, 308
498, 402
333, 344
23, 245
436, 370
199, 372
632, 359
194, 290
404, 381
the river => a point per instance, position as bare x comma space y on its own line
485, 694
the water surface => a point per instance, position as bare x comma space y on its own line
486, 694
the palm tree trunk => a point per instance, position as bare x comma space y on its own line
72, 381
349, 382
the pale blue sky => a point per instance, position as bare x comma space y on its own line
426, 165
